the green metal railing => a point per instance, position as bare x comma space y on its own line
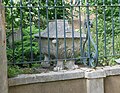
33, 16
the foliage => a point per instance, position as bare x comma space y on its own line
108, 26
108, 59
22, 18
111, 17
31, 11
16, 70
36, 17
26, 46
13, 71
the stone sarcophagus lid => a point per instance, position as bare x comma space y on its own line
59, 41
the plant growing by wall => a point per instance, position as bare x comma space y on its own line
108, 27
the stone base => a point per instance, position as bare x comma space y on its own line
95, 85
70, 65
83, 80
59, 66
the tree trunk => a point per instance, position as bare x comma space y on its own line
3, 59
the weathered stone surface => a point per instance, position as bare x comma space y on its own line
94, 79
46, 77
87, 73
95, 73
112, 70
66, 86
60, 30
112, 84
70, 65
100, 72
58, 40
95, 85
59, 66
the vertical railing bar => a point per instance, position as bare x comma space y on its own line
81, 49
88, 29
30, 22
13, 46
71, 9
105, 52
39, 29
55, 2
96, 29
21, 17
48, 30
65, 53
113, 52
119, 14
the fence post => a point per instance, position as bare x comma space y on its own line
95, 81
3, 58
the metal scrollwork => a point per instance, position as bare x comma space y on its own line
92, 60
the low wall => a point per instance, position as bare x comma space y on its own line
112, 84
70, 86
84, 80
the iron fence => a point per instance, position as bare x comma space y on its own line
50, 31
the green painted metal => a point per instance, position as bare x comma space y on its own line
87, 55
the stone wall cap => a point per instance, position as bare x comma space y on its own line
46, 77
95, 73
84, 72
112, 70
